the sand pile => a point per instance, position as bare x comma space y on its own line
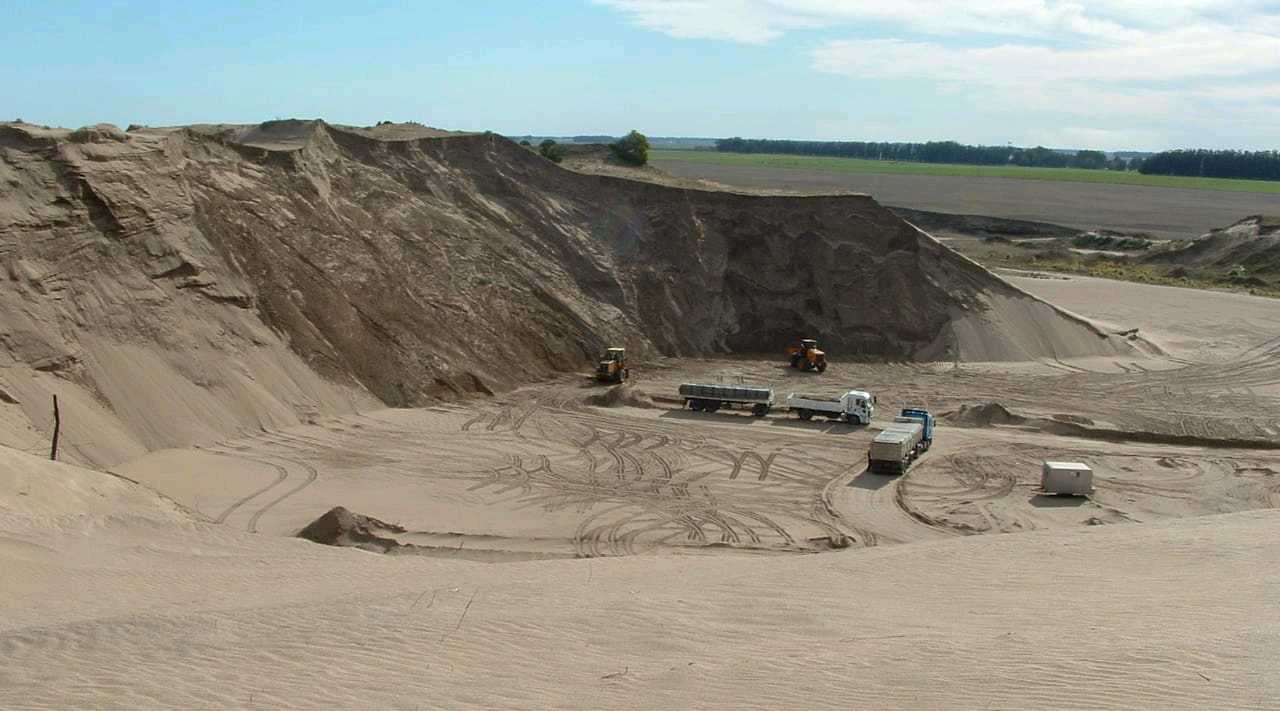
982, 415
620, 396
177, 285
1247, 253
340, 527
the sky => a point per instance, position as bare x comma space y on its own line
1104, 74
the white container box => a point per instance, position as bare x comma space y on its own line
1072, 478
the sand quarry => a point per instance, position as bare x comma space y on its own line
233, 360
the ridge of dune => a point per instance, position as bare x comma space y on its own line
179, 285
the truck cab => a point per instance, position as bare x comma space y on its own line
925, 418
859, 407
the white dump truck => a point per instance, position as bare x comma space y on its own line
1071, 478
709, 398
901, 442
855, 407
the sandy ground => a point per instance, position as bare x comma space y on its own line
114, 600
1201, 326
1164, 212
654, 557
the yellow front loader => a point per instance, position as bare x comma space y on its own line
613, 367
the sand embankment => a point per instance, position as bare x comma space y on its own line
175, 286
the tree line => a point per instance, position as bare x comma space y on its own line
1250, 165
929, 152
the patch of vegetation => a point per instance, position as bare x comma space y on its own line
632, 149
551, 150
929, 152
1125, 270
1253, 165
856, 165
1121, 243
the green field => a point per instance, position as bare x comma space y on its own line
855, 165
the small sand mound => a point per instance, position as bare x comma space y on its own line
340, 527
985, 414
101, 133
620, 396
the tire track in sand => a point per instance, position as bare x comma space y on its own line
281, 475
310, 476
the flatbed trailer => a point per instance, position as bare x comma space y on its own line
710, 398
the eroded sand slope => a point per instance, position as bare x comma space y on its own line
174, 285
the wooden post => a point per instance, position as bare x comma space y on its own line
57, 425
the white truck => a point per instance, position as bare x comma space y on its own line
855, 407
901, 442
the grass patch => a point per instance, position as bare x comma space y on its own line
857, 165
1100, 241
1139, 273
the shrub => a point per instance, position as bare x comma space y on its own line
632, 148
551, 150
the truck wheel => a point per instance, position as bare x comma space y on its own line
822, 366
805, 415
711, 405
695, 405
760, 410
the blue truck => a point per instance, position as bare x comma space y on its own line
901, 442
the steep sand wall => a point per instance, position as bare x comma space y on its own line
178, 285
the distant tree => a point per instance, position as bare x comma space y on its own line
525, 142
551, 150
1093, 160
632, 148
1252, 165
930, 152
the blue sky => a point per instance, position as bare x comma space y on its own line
1110, 74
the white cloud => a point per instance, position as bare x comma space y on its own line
762, 20
1087, 136
1122, 61
1171, 56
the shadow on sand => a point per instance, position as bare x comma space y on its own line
777, 420
871, 481
1057, 501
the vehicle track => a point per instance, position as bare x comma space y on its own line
310, 476
281, 475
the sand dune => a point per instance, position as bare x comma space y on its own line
177, 286
225, 313
126, 604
